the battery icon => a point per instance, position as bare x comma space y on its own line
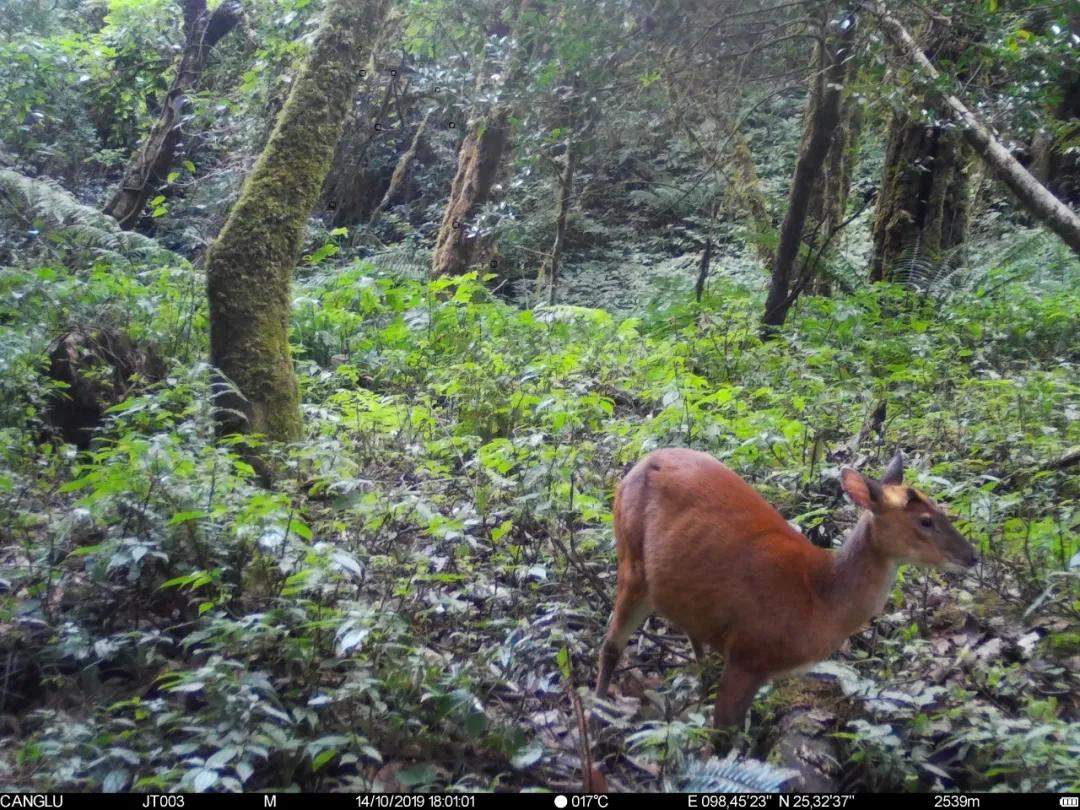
1070, 801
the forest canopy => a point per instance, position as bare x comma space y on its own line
328, 329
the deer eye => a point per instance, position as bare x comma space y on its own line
926, 521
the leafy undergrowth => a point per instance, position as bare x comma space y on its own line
414, 601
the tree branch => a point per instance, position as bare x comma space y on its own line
1031, 194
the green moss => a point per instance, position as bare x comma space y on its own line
249, 266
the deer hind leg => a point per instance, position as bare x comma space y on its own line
631, 609
734, 694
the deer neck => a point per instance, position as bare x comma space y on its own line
859, 579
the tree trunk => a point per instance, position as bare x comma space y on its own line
565, 182
828, 204
824, 108
149, 167
249, 266
923, 203
746, 193
565, 119
353, 186
1053, 163
481, 154
478, 165
1032, 195
703, 270
403, 171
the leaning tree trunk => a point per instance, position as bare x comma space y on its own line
404, 170
250, 264
149, 167
478, 165
482, 151
1031, 194
824, 108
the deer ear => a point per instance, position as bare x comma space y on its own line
864, 492
894, 473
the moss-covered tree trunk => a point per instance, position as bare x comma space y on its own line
823, 110
148, 170
829, 202
249, 266
401, 180
922, 207
923, 201
458, 244
479, 160
746, 194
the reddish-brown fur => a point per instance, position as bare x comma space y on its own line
698, 545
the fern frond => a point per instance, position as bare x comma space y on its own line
729, 775
38, 216
406, 261
931, 273
915, 267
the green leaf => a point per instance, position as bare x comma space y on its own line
327, 250
183, 517
78, 483
323, 758
500, 531
300, 528
222, 758
562, 658
475, 723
